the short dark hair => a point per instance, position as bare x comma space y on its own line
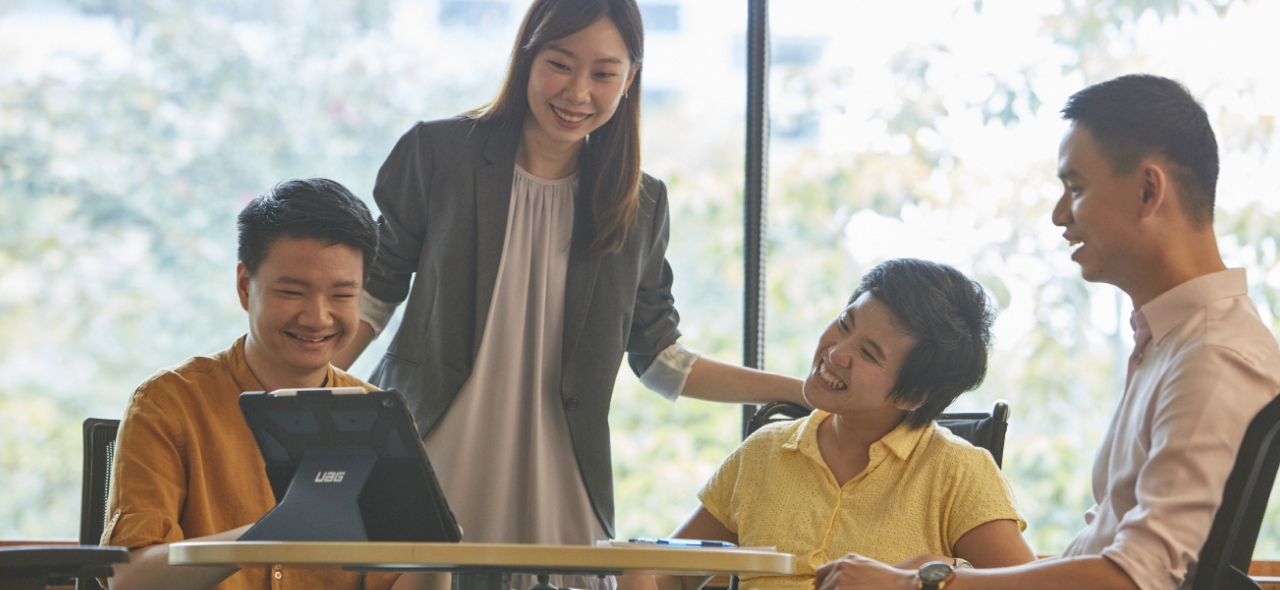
314, 208
1137, 116
950, 317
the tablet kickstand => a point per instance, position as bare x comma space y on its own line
321, 502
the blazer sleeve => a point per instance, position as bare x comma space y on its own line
654, 321
401, 193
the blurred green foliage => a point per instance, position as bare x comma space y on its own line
121, 170
1062, 369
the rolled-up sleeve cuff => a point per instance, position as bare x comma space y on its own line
1140, 554
141, 529
669, 370
375, 312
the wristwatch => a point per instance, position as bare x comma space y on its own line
934, 575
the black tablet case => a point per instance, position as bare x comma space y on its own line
345, 467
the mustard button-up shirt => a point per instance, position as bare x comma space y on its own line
922, 491
186, 466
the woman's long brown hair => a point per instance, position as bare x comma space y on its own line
609, 163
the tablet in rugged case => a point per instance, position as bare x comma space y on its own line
345, 467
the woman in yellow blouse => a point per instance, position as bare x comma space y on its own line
870, 471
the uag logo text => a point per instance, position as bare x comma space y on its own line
329, 476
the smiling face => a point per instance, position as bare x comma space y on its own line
1098, 209
857, 362
303, 305
575, 84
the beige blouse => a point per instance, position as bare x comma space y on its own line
502, 452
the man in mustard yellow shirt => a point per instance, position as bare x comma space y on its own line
870, 471
186, 465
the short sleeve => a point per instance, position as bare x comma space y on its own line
980, 495
720, 494
148, 481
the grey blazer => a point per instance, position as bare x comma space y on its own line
444, 193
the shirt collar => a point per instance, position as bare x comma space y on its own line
240, 367
807, 434
903, 439
1171, 308
244, 377
900, 441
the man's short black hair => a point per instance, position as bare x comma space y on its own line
950, 317
315, 208
1137, 116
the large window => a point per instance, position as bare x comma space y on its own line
935, 133
131, 132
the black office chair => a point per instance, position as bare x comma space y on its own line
38, 566
99, 452
981, 429
775, 412
1224, 560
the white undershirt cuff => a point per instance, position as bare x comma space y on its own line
668, 372
375, 312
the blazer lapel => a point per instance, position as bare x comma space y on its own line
493, 202
579, 287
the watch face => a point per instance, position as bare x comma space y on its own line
934, 572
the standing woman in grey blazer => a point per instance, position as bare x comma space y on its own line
539, 249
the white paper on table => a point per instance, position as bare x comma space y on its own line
629, 544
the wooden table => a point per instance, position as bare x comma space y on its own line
481, 557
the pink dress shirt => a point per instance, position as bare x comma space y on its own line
1205, 365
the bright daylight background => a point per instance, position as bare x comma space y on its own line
132, 131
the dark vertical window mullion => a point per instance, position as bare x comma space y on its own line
754, 197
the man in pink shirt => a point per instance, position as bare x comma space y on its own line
1139, 165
